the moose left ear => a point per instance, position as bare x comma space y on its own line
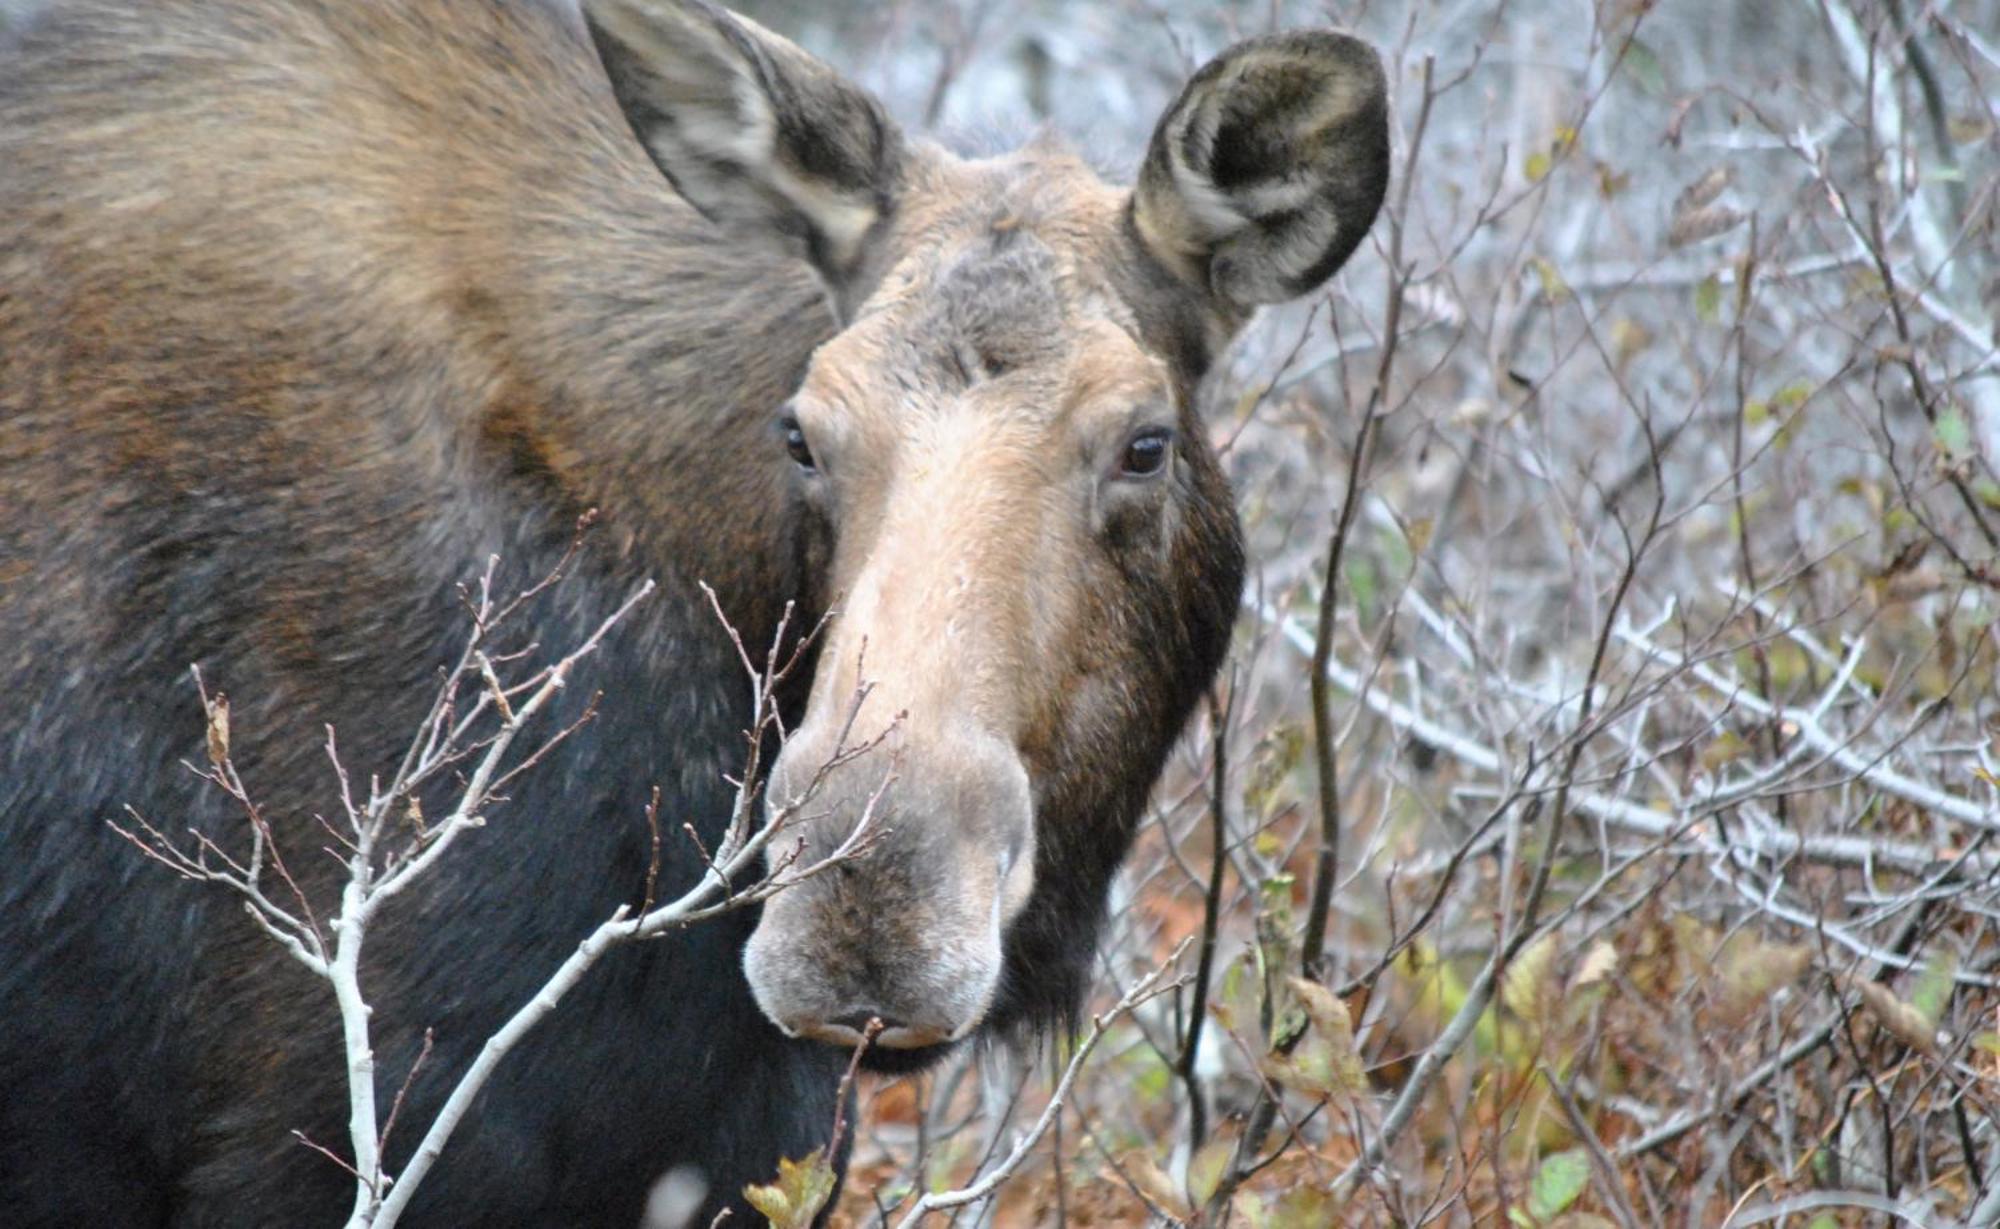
1269, 168
770, 143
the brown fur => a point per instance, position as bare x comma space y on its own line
306, 307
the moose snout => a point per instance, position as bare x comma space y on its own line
907, 927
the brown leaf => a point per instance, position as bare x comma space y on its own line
1905, 1022
218, 730
1156, 1186
1695, 225
1703, 191
1751, 971
1598, 963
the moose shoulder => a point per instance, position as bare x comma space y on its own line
305, 308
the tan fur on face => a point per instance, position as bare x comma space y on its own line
963, 504
966, 429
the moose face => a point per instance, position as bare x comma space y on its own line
1033, 561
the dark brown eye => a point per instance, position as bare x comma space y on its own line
1146, 453
795, 442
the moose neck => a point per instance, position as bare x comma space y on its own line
641, 359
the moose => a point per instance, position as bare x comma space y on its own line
306, 307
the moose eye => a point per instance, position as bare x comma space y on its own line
795, 442
1146, 453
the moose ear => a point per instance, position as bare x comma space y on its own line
761, 137
1269, 168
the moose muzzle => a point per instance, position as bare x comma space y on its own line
907, 926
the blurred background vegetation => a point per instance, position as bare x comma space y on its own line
1663, 720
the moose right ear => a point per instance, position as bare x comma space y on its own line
1269, 168
760, 136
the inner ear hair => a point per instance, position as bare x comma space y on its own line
757, 134
1267, 171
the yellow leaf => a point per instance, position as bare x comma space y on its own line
1724, 748
1528, 986
1326, 1057
1628, 339
1554, 289
795, 1199
1303, 1207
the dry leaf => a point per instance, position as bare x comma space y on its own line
1598, 963
1703, 191
1905, 1022
802, 1189
1695, 225
218, 730
1155, 1185
1751, 971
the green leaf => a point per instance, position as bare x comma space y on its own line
1396, 552
1205, 1169
1274, 905
1558, 1182
1708, 299
1953, 435
1645, 68
1150, 1076
802, 1189
1932, 993
1362, 583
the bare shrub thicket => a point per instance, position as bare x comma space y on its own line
491, 720
1633, 498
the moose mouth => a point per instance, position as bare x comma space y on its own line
891, 1050
894, 1037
